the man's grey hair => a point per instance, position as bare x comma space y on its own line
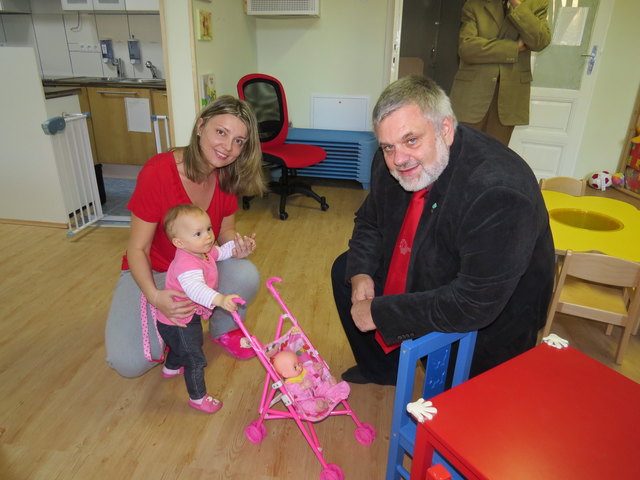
414, 89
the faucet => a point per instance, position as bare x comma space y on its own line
117, 62
152, 67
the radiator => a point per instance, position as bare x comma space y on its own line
349, 153
76, 170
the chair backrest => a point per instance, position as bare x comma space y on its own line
434, 352
600, 287
601, 268
266, 97
568, 185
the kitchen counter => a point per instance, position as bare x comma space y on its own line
152, 83
56, 92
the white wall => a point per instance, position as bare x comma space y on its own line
340, 53
29, 184
180, 61
229, 55
614, 94
232, 53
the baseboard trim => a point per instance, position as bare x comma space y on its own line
33, 223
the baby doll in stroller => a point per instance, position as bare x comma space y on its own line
313, 388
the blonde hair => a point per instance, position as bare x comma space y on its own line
174, 213
244, 176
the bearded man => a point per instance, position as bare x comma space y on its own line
453, 237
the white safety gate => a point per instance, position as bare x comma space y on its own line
70, 137
167, 141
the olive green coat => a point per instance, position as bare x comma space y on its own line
488, 50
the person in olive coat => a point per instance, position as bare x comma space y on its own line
492, 87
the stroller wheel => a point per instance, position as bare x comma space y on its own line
255, 433
332, 472
365, 434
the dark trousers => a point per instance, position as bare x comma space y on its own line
373, 362
185, 350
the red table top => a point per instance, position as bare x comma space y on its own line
546, 414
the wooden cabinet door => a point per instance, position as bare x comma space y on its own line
160, 106
114, 142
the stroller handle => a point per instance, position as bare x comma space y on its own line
272, 280
239, 301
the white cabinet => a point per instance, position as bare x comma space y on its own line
142, 5
77, 4
112, 5
108, 4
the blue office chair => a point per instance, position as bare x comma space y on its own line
434, 352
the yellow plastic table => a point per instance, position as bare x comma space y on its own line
593, 223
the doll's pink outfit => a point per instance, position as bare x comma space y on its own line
312, 385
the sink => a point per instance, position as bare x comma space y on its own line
101, 79
143, 80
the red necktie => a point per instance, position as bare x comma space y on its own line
399, 266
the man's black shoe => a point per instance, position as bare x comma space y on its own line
355, 375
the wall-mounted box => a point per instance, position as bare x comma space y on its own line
283, 7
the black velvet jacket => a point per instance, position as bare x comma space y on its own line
483, 255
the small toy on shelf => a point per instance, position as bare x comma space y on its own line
617, 178
600, 180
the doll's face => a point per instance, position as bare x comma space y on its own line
287, 365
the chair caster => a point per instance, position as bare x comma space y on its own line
324, 206
284, 215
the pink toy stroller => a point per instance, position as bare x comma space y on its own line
276, 389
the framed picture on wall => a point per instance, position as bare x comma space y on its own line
204, 28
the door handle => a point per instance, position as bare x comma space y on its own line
592, 58
113, 92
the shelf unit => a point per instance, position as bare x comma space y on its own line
634, 124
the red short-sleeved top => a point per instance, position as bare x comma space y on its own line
159, 188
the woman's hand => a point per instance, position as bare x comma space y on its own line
244, 245
163, 301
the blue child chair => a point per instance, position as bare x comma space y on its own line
434, 352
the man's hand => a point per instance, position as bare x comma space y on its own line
361, 314
521, 45
362, 288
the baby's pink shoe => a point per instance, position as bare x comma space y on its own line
172, 373
208, 405
233, 343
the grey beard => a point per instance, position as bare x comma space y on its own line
429, 174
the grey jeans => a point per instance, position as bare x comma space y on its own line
123, 333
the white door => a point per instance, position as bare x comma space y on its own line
564, 76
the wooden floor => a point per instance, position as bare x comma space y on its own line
65, 415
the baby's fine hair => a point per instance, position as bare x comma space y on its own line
176, 212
